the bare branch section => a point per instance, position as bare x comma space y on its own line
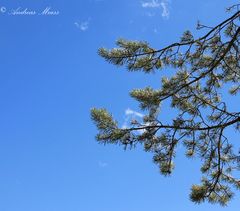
202, 66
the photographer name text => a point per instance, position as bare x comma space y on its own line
48, 11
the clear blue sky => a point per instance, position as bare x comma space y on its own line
50, 77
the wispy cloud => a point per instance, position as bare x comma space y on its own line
83, 26
151, 4
102, 164
155, 4
165, 8
131, 115
155, 30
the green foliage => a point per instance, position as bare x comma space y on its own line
202, 66
147, 97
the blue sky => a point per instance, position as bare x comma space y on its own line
50, 78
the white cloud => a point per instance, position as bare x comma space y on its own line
143, 130
83, 26
151, 4
165, 7
131, 115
